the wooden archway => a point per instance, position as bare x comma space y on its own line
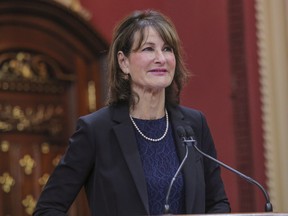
51, 72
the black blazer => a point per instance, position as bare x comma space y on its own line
103, 156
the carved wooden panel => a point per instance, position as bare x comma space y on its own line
34, 112
50, 73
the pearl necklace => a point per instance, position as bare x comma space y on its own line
148, 138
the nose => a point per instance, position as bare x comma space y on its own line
159, 57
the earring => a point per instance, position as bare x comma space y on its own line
126, 76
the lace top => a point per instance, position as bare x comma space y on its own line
160, 163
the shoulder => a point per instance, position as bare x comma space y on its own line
186, 116
98, 115
188, 113
108, 114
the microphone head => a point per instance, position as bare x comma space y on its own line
189, 131
181, 132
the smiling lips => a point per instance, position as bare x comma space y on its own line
158, 71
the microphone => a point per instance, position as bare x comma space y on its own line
189, 138
181, 133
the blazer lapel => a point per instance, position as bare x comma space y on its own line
127, 141
178, 119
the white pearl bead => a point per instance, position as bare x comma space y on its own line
148, 138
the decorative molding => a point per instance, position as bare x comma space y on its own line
45, 148
76, 6
91, 96
56, 160
28, 163
272, 26
7, 181
43, 179
29, 204
41, 119
31, 72
5, 145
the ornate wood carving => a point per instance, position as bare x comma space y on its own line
32, 72
41, 119
50, 70
7, 181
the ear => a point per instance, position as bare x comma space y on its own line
123, 62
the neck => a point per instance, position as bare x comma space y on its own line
149, 106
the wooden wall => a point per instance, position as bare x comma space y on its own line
46, 72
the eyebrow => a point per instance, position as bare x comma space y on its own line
152, 43
149, 43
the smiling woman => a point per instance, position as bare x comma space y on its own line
127, 153
131, 37
151, 69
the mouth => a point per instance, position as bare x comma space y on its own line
158, 71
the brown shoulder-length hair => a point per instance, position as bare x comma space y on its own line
123, 39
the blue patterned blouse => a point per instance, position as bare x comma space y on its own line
160, 163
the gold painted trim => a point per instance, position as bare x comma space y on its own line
7, 182
92, 96
45, 148
5, 146
28, 163
40, 119
272, 25
43, 179
76, 6
29, 204
56, 160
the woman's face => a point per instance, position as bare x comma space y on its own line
152, 66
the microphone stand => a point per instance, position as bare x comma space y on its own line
167, 206
268, 205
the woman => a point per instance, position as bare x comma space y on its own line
127, 153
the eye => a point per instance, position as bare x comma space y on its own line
168, 49
148, 48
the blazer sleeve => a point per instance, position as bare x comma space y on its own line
216, 199
69, 176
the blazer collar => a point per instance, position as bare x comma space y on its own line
125, 134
